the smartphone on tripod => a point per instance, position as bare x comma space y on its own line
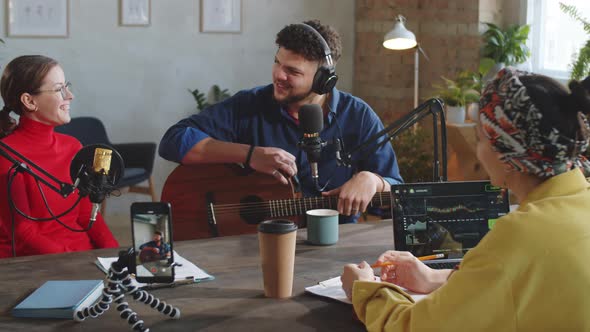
151, 226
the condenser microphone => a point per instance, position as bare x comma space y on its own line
311, 122
96, 169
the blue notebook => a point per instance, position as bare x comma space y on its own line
59, 299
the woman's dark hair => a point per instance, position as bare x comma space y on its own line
24, 74
300, 40
559, 107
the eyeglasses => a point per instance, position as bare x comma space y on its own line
63, 90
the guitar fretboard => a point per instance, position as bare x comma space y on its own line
298, 206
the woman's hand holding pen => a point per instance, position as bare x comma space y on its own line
353, 272
406, 270
400, 268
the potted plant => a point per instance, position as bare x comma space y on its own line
216, 94
458, 93
504, 47
473, 83
581, 65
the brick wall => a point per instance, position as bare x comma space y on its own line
447, 30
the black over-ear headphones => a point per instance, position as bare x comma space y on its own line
325, 77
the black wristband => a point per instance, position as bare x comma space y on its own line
249, 155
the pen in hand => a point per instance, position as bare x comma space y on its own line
422, 258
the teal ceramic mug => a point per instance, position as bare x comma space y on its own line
322, 227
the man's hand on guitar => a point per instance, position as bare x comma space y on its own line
355, 195
275, 162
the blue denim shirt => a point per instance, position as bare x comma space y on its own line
254, 117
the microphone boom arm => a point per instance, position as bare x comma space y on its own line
432, 106
26, 164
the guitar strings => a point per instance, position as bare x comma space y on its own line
277, 205
300, 201
288, 204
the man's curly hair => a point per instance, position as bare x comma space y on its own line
300, 40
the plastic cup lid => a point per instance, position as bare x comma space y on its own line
279, 226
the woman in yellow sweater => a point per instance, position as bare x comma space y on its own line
531, 272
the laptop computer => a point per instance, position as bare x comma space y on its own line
444, 217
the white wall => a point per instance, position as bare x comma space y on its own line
136, 78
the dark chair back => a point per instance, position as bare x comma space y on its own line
88, 130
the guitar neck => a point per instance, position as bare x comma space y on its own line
298, 206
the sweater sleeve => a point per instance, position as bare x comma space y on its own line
28, 238
217, 121
477, 297
99, 233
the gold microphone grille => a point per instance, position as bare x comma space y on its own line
102, 160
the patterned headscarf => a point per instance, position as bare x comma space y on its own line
512, 123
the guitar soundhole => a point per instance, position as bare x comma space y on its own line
253, 209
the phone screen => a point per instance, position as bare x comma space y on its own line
152, 242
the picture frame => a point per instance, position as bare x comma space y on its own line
37, 18
135, 12
221, 16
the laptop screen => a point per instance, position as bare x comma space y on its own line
445, 217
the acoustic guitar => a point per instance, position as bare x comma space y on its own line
210, 200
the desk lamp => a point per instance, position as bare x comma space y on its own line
400, 38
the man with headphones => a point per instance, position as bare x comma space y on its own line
259, 127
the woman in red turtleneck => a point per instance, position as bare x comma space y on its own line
34, 87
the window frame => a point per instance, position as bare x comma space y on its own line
534, 16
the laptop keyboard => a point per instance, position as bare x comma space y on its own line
443, 265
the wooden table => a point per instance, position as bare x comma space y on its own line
234, 301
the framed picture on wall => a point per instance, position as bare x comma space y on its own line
37, 18
221, 16
134, 12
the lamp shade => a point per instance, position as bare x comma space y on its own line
399, 38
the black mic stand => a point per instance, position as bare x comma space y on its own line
313, 150
118, 285
25, 165
432, 107
86, 182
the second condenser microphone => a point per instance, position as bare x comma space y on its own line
311, 122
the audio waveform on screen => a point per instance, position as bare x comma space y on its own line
454, 209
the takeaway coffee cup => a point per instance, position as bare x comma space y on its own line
322, 227
276, 239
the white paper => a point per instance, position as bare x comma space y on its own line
183, 272
332, 288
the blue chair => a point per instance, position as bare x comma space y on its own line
138, 157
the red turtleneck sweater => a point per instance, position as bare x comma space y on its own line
53, 152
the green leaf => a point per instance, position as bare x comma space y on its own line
506, 46
573, 13
485, 64
581, 66
494, 41
524, 31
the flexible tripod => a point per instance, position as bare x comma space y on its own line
119, 284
